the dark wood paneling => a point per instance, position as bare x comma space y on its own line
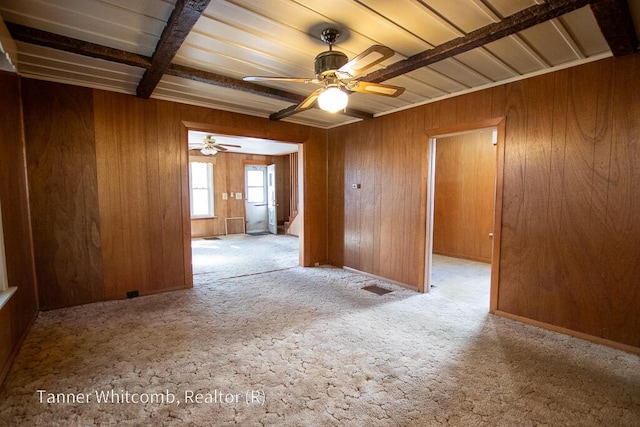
387, 157
570, 210
143, 186
61, 164
19, 312
621, 249
337, 188
314, 239
464, 195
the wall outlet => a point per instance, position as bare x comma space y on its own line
225, 196
238, 196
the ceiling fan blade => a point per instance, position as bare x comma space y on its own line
308, 101
229, 145
376, 88
279, 79
219, 148
367, 59
195, 146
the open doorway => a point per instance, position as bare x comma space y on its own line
244, 222
261, 203
463, 212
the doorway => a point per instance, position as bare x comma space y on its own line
255, 188
255, 178
260, 201
464, 200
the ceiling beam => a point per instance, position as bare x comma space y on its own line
616, 24
44, 38
79, 47
512, 24
181, 21
236, 84
290, 111
231, 83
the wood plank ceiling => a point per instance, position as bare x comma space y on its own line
197, 51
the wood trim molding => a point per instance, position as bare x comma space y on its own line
497, 218
500, 124
444, 131
186, 208
257, 162
575, 334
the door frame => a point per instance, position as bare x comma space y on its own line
432, 135
246, 163
232, 131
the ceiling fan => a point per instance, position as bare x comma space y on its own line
337, 75
209, 146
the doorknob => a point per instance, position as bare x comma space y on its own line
491, 235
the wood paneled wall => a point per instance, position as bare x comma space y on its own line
314, 192
465, 176
380, 221
228, 178
570, 238
61, 161
20, 311
109, 182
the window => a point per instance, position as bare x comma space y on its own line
255, 186
5, 290
201, 188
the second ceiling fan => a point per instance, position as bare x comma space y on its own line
337, 75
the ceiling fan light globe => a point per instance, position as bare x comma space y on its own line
333, 99
207, 151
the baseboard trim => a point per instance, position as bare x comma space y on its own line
161, 291
364, 273
14, 353
565, 331
470, 258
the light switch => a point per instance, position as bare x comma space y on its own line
224, 196
356, 186
238, 196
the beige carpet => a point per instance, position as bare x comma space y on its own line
241, 254
309, 347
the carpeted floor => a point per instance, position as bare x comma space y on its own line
309, 347
242, 254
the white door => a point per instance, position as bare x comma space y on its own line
272, 205
256, 198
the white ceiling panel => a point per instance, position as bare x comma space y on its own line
583, 28
237, 38
247, 145
95, 21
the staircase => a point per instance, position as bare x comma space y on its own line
287, 224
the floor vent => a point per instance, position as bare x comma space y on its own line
377, 289
211, 238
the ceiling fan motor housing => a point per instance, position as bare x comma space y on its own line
329, 61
